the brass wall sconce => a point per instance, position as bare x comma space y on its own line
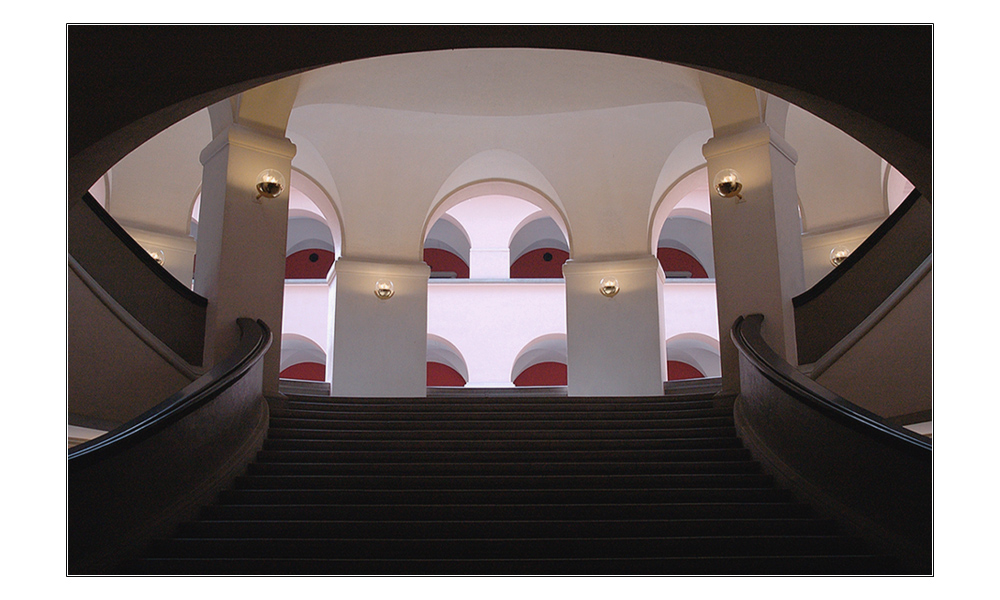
157, 256
609, 287
727, 183
839, 254
383, 289
270, 184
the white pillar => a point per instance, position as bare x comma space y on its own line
757, 241
614, 344
489, 263
380, 344
241, 241
490, 222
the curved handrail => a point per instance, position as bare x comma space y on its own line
831, 309
746, 335
152, 295
156, 268
854, 257
255, 339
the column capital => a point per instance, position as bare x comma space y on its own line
250, 138
623, 264
418, 270
751, 137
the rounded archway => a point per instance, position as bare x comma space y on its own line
542, 362
692, 356
447, 249
302, 358
538, 249
445, 364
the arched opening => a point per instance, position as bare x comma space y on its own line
684, 241
445, 365
542, 362
447, 249
538, 249
302, 358
692, 356
496, 309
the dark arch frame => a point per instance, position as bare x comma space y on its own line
127, 83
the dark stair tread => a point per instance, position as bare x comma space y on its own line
507, 469
512, 424
480, 481
498, 527
277, 431
479, 458
518, 485
500, 414
505, 499
502, 445
504, 547
472, 512
850, 564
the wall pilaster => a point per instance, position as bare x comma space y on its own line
380, 344
756, 240
240, 264
614, 344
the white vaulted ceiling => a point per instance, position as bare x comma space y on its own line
603, 136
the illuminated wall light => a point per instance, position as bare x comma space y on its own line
270, 183
383, 289
609, 287
839, 254
157, 256
727, 183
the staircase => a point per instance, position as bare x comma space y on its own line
520, 485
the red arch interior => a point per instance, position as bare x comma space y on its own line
674, 260
681, 370
543, 373
306, 371
543, 263
443, 261
442, 375
308, 264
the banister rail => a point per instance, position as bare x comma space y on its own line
833, 307
170, 310
873, 477
255, 339
138, 481
747, 336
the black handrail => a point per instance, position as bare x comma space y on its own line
830, 310
255, 339
125, 272
155, 267
854, 257
746, 334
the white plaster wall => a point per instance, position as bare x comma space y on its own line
381, 345
177, 252
899, 349
689, 306
153, 187
305, 310
839, 179
615, 345
816, 248
490, 322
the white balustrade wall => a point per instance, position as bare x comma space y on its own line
490, 322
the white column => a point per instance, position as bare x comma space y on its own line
757, 241
241, 241
381, 344
490, 221
614, 344
489, 263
